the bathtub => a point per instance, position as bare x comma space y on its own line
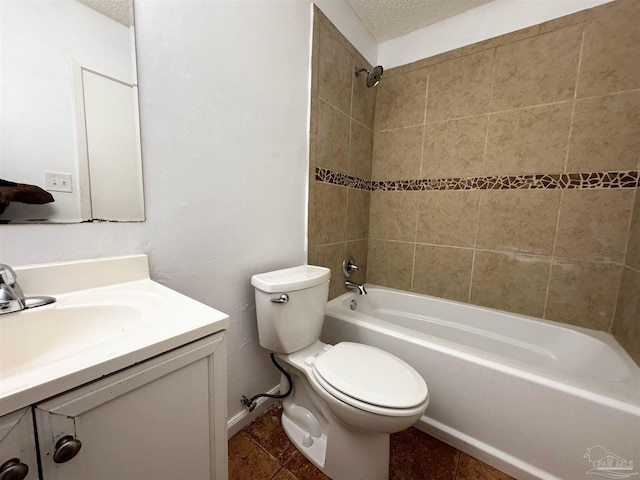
534, 398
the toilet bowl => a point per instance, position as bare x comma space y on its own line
346, 398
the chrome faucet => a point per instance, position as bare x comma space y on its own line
355, 286
348, 266
11, 297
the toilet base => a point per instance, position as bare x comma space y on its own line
343, 453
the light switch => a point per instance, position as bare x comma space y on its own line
57, 182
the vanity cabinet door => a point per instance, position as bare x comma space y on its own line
163, 419
17, 446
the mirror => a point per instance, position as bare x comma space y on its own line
69, 111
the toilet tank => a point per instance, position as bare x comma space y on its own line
290, 306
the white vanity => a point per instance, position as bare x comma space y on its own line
120, 378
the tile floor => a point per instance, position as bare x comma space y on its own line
262, 451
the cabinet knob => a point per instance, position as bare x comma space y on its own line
13, 469
66, 448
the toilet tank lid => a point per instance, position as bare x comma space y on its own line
291, 279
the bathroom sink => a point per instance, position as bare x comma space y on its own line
108, 315
40, 336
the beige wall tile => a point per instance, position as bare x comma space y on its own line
390, 264
357, 214
358, 250
363, 104
448, 217
610, 60
537, 70
518, 220
530, 140
393, 215
397, 154
332, 146
575, 18
400, 100
633, 244
606, 133
583, 293
594, 224
360, 151
443, 272
335, 67
331, 256
512, 282
327, 213
626, 326
312, 151
460, 87
454, 148
426, 62
313, 115
502, 39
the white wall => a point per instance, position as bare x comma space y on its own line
481, 23
37, 122
224, 99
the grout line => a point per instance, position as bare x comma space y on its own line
553, 256
573, 107
362, 124
615, 305
346, 216
455, 475
632, 268
609, 94
413, 266
320, 99
486, 133
415, 235
475, 248
424, 121
260, 446
489, 250
426, 99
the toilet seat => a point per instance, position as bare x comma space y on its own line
370, 379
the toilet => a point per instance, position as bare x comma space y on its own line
346, 398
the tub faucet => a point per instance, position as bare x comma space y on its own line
11, 297
355, 286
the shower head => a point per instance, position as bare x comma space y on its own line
373, 76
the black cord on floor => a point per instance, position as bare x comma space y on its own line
251, 403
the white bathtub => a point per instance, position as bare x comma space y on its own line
527, 396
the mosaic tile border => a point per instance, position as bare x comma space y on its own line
606, 180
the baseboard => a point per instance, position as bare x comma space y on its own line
245, 417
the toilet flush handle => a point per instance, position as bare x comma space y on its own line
284, 298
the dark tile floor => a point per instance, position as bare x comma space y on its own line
262, 451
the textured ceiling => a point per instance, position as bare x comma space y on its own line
387, 19
119, 10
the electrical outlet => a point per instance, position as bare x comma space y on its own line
57, 182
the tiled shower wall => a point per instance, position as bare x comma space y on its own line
342, 110
626, 326
504, 174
